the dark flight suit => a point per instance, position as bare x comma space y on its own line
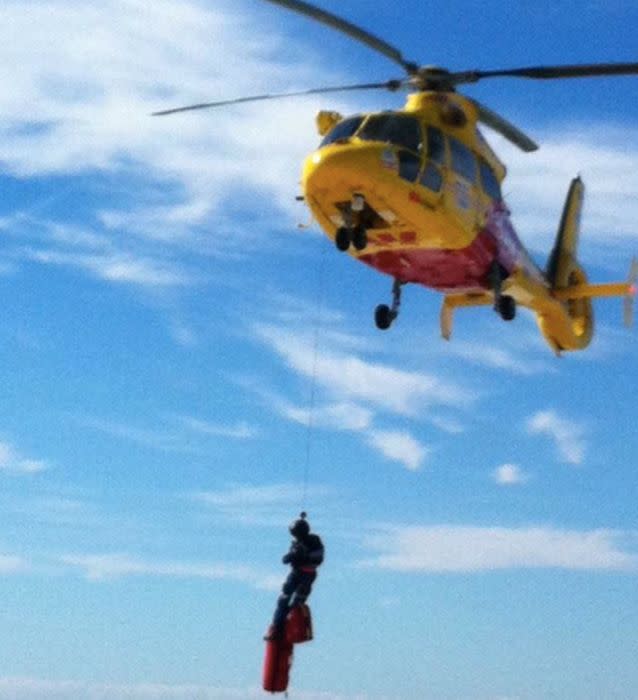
304, 556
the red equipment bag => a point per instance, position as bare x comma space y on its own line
299, 625
277, 663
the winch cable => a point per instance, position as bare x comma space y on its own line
317, 323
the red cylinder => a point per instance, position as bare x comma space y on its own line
277, 663
299, 625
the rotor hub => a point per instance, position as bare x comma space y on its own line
433, 78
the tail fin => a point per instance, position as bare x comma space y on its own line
562, 260
564, 274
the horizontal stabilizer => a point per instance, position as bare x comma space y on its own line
627, 290
453, 301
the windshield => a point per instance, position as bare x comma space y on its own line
398, 130
342, 131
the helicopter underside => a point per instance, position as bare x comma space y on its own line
461, 270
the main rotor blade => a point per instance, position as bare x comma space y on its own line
388, 85
549, 72
349, 29
505, 128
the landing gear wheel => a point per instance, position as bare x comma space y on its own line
359, 237
507, 307
383, 317
343, 238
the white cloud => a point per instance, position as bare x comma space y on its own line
353, 382
16, 688
158, 439
446, 424
250, 496
266, 506
566, 435
12, 461
516, 361
97, 567
176, 437
10, 564
97, 118
458, 548
537, 183
237, 431
116, 267
95, 73
509, 475
351, 378
342, 415
400, 446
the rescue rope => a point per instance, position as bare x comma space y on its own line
313, 379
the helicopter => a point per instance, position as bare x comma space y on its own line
415, 193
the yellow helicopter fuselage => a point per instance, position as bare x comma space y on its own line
424, 185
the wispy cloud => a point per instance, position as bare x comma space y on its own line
341, 415
362, 392
248, 495
237, 431
513, 360
458, 548
509, 475
17, 688
251, 504
349, 377
537, 183
10, 564
400, 446
123, 268
177, 436
97, 567
166, 439
165, 182
99, 119
568, 436
12, 461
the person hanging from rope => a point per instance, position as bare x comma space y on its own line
305, 555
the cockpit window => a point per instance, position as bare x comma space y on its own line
491, 185
436, 145
341, 131
463, 160
396, 129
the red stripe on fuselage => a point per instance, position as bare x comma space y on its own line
439, 268
459, 270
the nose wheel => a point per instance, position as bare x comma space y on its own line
357, 235
384, 315
353, 231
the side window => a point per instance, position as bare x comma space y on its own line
409, 165
463, 160
436, 145
431, 177
341, 131
491, 185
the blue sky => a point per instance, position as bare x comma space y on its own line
185, 364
